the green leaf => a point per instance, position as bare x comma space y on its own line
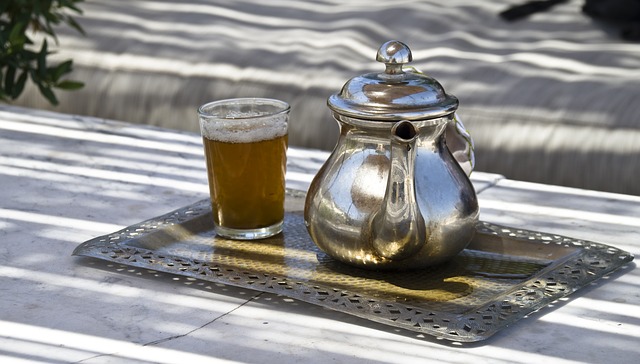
62, 69
48, 94
70, 85
29, 56
42, 60
36, 7
17, 90
72, 23
70, 5
17, 37
9, 80
34, 76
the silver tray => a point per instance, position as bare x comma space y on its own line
504, 274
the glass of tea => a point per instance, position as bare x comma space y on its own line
245, 145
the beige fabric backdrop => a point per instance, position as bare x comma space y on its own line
554, 98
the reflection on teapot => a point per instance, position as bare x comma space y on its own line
391, 195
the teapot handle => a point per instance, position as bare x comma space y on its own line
461, 145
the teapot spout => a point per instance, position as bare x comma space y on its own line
398, 229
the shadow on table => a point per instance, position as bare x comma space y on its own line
516, 337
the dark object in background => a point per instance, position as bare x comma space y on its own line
531, 7
621, 13
624, 14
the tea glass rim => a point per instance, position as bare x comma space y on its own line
204, 110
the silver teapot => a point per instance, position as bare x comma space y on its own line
391, 195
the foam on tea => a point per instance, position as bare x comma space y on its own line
243, 127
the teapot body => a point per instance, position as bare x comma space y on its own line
351, 188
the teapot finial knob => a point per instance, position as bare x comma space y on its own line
394, 54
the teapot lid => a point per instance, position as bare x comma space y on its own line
394, 94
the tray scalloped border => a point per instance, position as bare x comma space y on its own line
592, 262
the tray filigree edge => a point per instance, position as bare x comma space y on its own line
594, 261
